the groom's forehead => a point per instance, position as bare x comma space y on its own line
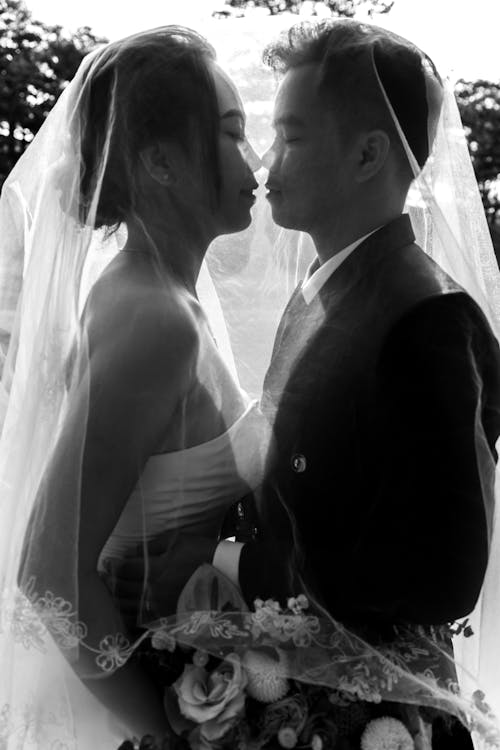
298, 97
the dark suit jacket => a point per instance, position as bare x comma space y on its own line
385, 398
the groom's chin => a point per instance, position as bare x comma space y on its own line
281, 216
284, 220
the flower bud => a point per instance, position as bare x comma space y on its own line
200, 658
265, 677
287, 737
162, 641
148, 742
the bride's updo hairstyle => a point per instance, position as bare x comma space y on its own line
151, 86
356, 60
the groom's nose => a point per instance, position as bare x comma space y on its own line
267, 159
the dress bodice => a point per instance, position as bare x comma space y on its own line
191, 489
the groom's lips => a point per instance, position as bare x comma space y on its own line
272, 191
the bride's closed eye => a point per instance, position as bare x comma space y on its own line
233, 125
236, 136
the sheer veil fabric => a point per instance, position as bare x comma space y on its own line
55, 247
50, 257
449, 224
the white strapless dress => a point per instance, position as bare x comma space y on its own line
192, 489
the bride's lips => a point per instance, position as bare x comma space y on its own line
248, 194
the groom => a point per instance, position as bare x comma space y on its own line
384, 384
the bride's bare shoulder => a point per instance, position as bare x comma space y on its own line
136, 318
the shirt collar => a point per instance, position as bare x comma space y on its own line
317, 275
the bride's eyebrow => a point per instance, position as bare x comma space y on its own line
233, 113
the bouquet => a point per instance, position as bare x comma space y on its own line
246, 700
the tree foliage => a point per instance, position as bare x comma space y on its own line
346, 8
479, 104
36, 62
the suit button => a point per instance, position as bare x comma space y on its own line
299, 463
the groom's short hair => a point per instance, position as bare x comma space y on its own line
351, 55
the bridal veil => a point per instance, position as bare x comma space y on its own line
50, 255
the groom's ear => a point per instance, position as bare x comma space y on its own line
159, 162
373, 150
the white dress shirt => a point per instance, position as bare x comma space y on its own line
227, 554
317, 276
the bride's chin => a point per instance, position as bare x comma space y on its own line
235, 227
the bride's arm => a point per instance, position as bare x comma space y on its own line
139, 366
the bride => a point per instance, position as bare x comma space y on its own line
129, 419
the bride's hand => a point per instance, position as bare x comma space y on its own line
148, 587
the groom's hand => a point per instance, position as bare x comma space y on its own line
170, 561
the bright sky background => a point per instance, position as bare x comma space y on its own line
462, 36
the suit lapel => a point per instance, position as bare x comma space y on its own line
362, 263
299, 325
308, 335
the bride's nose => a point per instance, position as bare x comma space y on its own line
251, 157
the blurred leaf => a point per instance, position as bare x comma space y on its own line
479, 105
36, 62
345, 8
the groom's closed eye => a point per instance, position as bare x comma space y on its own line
291, 138
287, 137
289, 128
